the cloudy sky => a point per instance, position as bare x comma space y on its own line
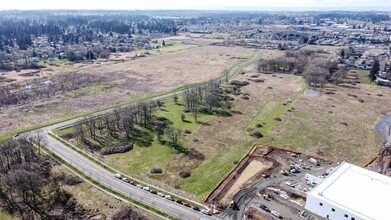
199, 4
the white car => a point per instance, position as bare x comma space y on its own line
275, 213
139, 186
160, 194
146, 188
206, 212
118, 176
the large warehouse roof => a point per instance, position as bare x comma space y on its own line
359, 190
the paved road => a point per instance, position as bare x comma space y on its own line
106, 178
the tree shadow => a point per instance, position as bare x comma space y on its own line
222, 112
141, 138
177, 147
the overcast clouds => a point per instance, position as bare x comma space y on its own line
199, 4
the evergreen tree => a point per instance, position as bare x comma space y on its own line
374, 71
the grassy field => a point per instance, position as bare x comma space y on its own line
338, 126
226, 139
215, 142
122, 81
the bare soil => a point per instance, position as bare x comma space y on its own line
252, 169
124, 81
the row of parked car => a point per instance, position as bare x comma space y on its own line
168, 197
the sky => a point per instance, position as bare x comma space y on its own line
198, 4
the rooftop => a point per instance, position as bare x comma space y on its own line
359, 190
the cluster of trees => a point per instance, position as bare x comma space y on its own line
316, 70
203, 98
127, 124
28, 187
17, 61
18, 93
137, 124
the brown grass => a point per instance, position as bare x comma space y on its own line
339, 126
124, 81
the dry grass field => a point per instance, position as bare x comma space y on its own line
339, 126
123, 81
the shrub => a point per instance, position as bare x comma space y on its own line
72, 180
184, 174
187, 132
156, 170
239, 83
277, 119
256, 134
259, 125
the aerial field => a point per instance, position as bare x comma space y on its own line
339, 124
119, 82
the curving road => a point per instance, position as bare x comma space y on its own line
107, 179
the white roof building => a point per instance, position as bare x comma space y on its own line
352, 193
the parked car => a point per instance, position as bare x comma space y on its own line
118, 176
206, 212
146, 188
132, 183
139, 186
168, 197
153, 192
125, 180
264, 207
275, 213
195, 208
160, 194
179, 201
186, 204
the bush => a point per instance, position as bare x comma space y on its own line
184, 174
156, 170
116, 149
256, 134
277, 119
259, 125
72, 180
187, 132
239, 83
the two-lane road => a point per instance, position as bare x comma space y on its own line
107, 179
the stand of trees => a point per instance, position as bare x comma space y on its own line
137, 124
14, 94
316, 70
29, 189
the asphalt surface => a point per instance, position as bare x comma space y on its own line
107, 179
